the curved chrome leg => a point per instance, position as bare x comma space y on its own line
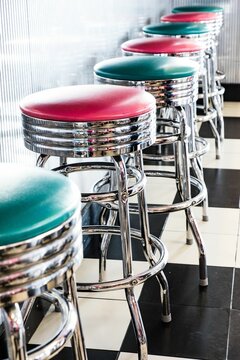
145, 232
217, 106
197, 168
15, 332
77, 339
202, 254
217, 139
127, 255
108, 217
42, 159
189, 214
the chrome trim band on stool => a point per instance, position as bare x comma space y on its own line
85, 139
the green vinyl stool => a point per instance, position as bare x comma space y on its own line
40, 248
174, 83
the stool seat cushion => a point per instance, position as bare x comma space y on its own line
143, 68
190, 17
162, 45
202, 8
33, 201
178, 28
88, 103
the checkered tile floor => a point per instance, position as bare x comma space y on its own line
206, 321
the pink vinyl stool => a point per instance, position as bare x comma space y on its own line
189, 49
214, 23
92, 121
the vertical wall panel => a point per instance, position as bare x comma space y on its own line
48, 43
15, 82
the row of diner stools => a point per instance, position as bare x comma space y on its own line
156, 94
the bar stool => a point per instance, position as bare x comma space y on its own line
40, 248
89, 121
198, 31
211, 19
173, 82
174, 47
220, 75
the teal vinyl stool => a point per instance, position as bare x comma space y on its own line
173, 82
40, 248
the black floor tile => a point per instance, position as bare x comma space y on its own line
195, 332
232, 128
234, 336
223, 187
92, 354
156, 222
236, 290
183, 283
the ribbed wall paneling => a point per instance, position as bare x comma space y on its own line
49, 43
15, 73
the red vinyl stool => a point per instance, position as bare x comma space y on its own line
178, 47
214, 23
89, 121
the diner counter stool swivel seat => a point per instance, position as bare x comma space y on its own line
91, 121
219, 11
214, 23
194, 31
173, 82
184, 48
40, 249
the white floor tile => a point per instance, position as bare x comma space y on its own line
47, 328
104, 322
221, 221
88, 272
230, 151
220, 249
129, 356
231, 109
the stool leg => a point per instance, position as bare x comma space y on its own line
189, 213
197, 168
108, 217
15, 333
145, 231
196, 161
216, 99
77, 340
127, 255
42, 159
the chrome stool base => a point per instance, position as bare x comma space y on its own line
108, 200
158, 263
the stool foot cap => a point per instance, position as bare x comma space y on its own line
189, 241
217, 157
203, 282
166, 318
205, 218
